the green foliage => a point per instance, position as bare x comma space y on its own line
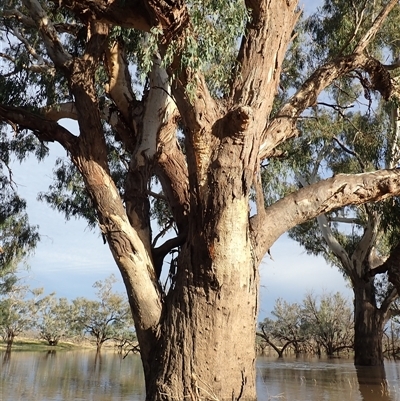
67, 193
19, 307
104, 318
212, 47
55, 319
325, 321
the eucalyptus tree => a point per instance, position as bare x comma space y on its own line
287, 329
54, 320
358, 239
351, 131
104, 318
17, 237
205, 117
18, 311
329, 320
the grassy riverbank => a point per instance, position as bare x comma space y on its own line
28, 344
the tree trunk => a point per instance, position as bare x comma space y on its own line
10, 339
207, 350
369, 324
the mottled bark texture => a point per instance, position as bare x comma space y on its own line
198, 340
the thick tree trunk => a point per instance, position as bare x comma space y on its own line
207, 350
369, 324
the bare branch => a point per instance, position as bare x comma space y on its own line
45, 129
333, 244
19, 16
350, 152
324, 196
365, 245
393, 66
345, 220
57, 112
119, 86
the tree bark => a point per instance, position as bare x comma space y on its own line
369, 323
207, 348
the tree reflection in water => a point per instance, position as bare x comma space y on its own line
313, 379
85, 375
373, 384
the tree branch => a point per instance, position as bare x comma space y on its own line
350, 152
59, 111
283, 126
127, 14
44, 129
261, 54
322, 197
364, 247
391, 266
119, 87
366, 39
334, 244
55, 49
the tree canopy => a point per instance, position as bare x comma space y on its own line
179, 105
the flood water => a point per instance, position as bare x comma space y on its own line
85, 376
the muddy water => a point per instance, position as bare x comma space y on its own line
85, 376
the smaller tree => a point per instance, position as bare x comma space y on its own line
329, 320
286, 330
105, 317
54, 322
19, 307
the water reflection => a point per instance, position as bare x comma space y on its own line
373, 384
87, 375
312, 379
71, 376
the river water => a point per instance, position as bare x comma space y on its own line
85, 376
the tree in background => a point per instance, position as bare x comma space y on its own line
286, 330
104, 318
19, 309
352, 131
206, 117
324, 321
329, 321
17, 238
55, 319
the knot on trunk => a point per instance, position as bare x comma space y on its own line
380, 78
235, 123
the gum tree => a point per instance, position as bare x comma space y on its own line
103, 318
17, 237
205, 119
353, 131
329, 319
287, 329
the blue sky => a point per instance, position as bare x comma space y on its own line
70, 257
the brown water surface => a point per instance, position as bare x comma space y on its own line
85, 376
313, 379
